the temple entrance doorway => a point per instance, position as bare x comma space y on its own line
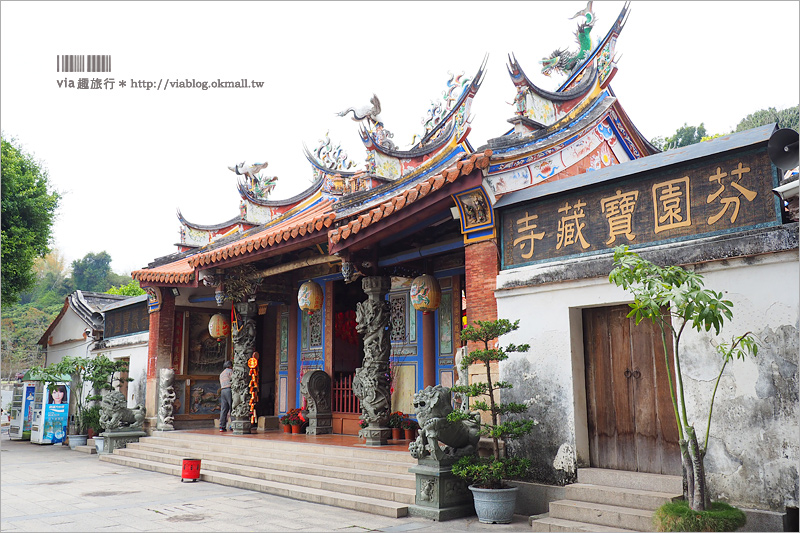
347, 356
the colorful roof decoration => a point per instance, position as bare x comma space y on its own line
577, 128
382, 207
341, 199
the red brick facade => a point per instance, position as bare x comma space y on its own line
482, 266
159, 349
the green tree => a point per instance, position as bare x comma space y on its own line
785, 118
674, 299
91, 273
685, 135
28, 210
491, 471
95, 371
131, 288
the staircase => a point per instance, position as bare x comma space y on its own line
89, 447
351, 477
610, 500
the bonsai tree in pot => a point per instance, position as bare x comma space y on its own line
675, 299
490, 473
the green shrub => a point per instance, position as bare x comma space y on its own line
488, 472
91, 419
677, 516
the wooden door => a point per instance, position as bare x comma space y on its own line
630, 415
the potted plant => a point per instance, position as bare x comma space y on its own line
97, 372
396, 423
494, 499
363, 424
296, 420
91, 418
287, 427
410, 427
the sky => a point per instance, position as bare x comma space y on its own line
125, 159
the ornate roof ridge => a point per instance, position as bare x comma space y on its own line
370, 214
415, 151
472, 90
316, 184
519, 78
616, 28
355, 202
208, 227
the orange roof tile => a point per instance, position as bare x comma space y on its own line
408, 196
315, 218
178, 272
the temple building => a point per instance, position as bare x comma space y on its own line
368, 274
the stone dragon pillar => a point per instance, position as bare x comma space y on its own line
244, 343
371, 383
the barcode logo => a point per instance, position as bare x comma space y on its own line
80, 63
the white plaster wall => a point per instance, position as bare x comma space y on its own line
135, 348
67, 338
753, 459
69, 328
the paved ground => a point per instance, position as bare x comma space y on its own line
55, 489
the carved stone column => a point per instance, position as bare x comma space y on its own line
244, 343
316, 389
166, 399
371, 382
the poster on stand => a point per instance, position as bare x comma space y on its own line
56, 413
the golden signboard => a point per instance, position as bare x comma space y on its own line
662, 205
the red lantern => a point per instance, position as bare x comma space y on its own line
310, 297
218, 327
425, 293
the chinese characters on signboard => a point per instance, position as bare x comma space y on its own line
672, 204
127, 320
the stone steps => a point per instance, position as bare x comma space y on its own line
334, 456
559, 524
373, 481
325, 497
279, 463
602, 499
89, 447
631, 480
358, 488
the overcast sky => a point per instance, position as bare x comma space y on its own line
125, 159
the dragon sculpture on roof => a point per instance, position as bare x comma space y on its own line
259, 186
368, 113
564, 61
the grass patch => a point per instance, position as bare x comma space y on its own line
677, 516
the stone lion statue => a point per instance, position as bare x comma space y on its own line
115, 415
432, 405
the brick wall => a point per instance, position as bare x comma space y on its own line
482, 266
159, 350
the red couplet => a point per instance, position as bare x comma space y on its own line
191, 470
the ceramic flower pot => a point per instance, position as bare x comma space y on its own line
296, 429
397, 434
287, 428
77, 440
494, 506
410, 434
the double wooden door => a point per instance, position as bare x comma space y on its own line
630, 415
